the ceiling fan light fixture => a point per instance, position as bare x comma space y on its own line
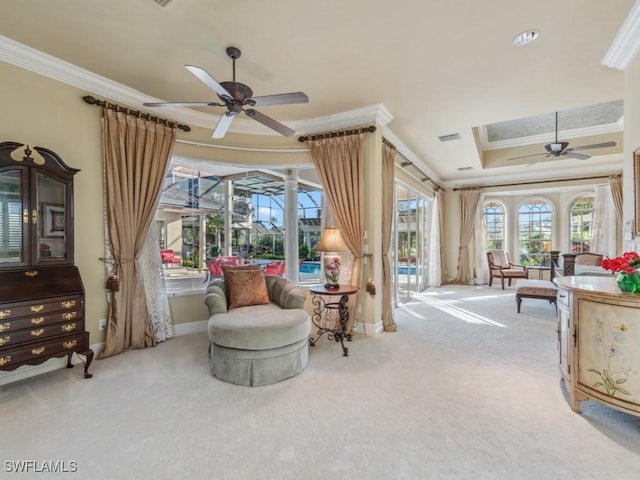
556, 147
526, 37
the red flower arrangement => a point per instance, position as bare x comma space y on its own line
627, 263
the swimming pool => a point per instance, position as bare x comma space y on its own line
310, 267
404, 269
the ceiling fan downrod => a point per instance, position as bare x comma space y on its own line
234, 53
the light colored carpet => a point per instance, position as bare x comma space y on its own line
466, 389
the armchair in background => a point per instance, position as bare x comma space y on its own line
500, 267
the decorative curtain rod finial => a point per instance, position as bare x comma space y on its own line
101, 103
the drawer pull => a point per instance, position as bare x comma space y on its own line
37, 333
69, 327
69, 315
5, 360
5, 313
70, 344
34, 217
4, 340
38, 351
37, 320
31, 273
68, 304
4, 326
25, 215
37, 308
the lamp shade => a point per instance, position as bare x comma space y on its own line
331, 241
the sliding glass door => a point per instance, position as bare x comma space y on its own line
409, 243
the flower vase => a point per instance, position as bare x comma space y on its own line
628, 282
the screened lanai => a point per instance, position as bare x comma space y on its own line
209, 210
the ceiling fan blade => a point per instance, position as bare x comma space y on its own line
270, 122
208, 80
595, 145
182, 104
279, 99
527, 156
579, 156
223, 125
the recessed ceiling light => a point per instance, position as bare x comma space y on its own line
525, 37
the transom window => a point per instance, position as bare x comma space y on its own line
494, 222
535, 221
580, 224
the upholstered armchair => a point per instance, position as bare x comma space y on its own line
501, 267
593, 259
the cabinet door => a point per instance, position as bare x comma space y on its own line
50, 207
14, 216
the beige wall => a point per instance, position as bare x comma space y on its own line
631, 143
41, 112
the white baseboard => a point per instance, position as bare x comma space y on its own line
369, 329
27, 371
191, 327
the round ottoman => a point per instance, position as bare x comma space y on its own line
258, 344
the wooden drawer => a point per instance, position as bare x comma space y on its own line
39, 352
39, 308
8, 340
13, 325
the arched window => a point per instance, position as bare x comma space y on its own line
494, 223
580, 224
535, 221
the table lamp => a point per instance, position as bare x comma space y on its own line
331, 243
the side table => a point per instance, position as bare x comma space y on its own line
540, 269
320, 305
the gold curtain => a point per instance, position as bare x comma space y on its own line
339, 163
469, 202
136, 155
615, 184
388, 154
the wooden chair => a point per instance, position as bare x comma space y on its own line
500, 267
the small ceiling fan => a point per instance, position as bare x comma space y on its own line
235, 96
559, 149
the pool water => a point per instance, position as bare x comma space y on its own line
404, 269
310, 267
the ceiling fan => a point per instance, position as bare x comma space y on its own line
235, 96
560, 149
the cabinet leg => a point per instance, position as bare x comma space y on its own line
88, 353
69, 364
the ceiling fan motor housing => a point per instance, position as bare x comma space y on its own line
239, 91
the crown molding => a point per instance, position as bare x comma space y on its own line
52, 67
605, 166
627, 42
403, 150
549, 137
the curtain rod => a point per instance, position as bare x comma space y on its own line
537, 182
112, 106
369, 129
408, 163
